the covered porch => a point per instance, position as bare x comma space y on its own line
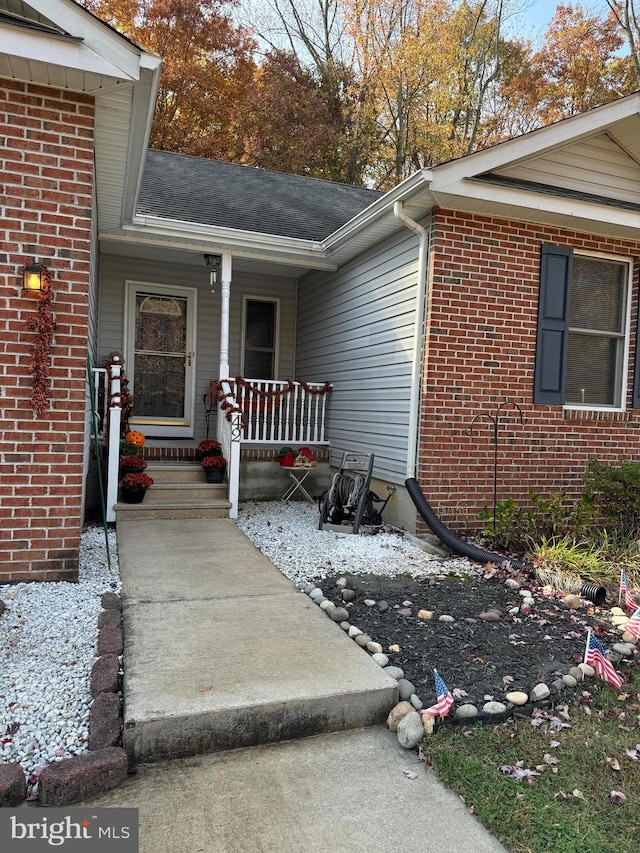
178, 348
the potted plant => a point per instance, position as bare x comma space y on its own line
214, 468
208, 447
129, 449
133, 487
132, 465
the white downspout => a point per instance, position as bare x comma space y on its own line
418, 334
225, 297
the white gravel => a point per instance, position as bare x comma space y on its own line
48, 638
288, 534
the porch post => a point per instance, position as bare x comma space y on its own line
225, 294
113, 452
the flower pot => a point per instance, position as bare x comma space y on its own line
132, 496
214, 475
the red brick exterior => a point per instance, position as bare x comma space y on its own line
480, 351
46, 179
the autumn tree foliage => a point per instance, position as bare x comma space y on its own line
207, 74
290, 125
368, 91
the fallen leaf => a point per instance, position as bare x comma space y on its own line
578, 794
634, 754
507, 679
458, 693
618, 798
613, 762
206, 689
519, 796
410, 774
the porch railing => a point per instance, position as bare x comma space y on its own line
100, 397
275, 412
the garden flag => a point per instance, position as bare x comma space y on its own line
624, 592
596, 656
443, 697
633, 625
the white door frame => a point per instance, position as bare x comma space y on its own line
162, 427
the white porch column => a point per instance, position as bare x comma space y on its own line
225, 294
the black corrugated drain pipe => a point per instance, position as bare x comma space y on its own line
591, 591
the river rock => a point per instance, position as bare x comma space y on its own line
405, 688
339, 614
341, 583
569, 680
490, 616
539, 692
416, 701
510, 583
624, 649
380, 658
383, 606
354, 632
425, 614
587, 671
394, 672
466, 712
517, 697
362, 640
446, 618
369, 602
327, 605
398, 713
348, 595
494, 708
577, 673
374, 648
620, 620
410, 730
316, 594
394, 648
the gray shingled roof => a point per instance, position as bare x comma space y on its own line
192, 189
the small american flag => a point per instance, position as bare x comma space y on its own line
596, 656
624, 592
633, 625
444, 699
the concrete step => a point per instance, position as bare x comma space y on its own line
176, 472
222, 652
214, 508
178, 493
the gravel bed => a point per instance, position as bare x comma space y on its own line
48, 639
288, 534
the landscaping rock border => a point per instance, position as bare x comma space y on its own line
405, 718
105, 764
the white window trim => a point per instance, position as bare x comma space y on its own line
624, 373
248, 297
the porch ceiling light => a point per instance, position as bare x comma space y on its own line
32, 278
215, 263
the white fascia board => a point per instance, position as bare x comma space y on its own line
55, 50
537, 142
97, 35
243, 243
144, 100
533, 205
406, 191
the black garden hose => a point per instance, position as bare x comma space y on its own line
590, 591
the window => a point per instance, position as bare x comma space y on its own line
582, 330
260, 333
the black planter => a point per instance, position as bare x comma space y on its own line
214, 475
132, 496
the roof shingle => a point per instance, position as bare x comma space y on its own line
209, 192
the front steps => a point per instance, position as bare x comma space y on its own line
180, 490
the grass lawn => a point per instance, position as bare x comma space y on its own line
554, 783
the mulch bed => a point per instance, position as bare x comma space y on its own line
485, 659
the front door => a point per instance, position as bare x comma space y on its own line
160, 358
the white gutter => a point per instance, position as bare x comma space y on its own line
418, 333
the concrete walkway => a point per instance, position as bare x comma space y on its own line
228, 671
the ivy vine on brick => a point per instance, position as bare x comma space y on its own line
43, 324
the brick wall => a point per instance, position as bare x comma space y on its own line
481, 342
46, 177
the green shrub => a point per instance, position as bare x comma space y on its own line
555, 517
617, 495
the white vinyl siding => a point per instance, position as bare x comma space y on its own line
596, 165
356, 330
115, 270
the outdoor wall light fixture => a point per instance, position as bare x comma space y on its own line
33, 278
215, 263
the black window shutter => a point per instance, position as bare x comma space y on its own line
553, 316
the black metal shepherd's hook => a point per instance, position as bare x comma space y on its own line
495, 420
